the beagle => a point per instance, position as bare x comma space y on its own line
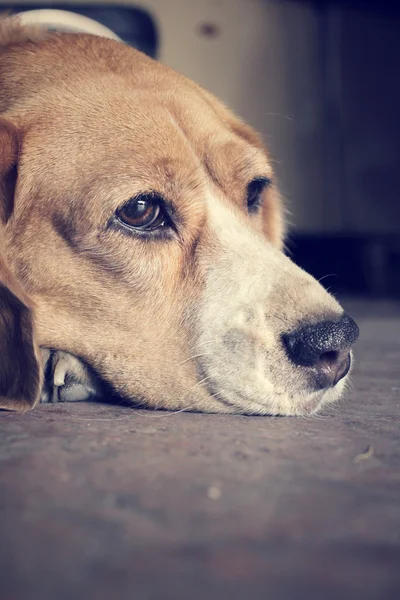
141, 243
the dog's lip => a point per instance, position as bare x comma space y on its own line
306, 404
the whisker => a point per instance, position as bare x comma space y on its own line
186, 408
329, 275
274, 114
194, 356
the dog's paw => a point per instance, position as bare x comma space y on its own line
67, 379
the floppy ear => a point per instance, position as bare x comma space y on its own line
21, 373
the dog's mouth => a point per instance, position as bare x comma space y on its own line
274, 402
69, 379
245, 376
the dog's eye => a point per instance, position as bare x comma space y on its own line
145, 212
254, 192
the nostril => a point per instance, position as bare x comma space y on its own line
329, 357
329, 371
300, 350
344, 368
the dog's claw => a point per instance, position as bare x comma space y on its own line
67, 379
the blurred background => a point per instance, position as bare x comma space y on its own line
320, 80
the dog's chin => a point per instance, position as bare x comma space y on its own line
304, 404
314, 402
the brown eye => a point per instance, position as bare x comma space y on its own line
144, 212
254, 192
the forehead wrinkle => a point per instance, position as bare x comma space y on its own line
252, 163
172, 165
178, 157
235, 160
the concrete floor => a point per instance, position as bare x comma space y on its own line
102, 502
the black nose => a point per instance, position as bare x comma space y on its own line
324, 347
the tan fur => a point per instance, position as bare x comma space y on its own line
98, 123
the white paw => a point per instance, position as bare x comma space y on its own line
67, 379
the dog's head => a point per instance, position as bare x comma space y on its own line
142, 231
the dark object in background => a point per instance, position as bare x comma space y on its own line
133, 25
362, 265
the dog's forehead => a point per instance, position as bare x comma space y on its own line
107, 102
110, 110
148, 134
